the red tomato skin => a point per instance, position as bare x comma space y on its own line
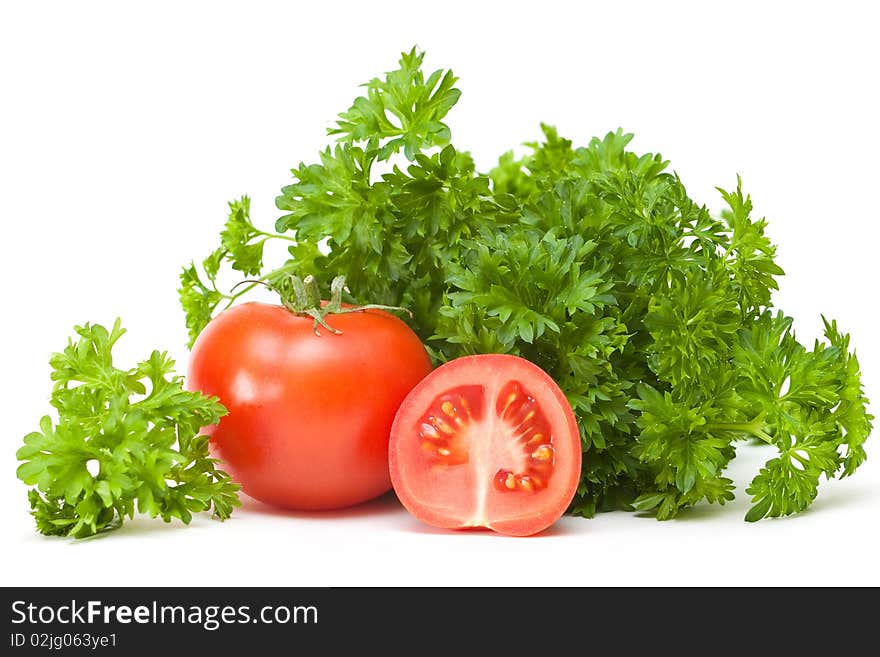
478, 369
308, 416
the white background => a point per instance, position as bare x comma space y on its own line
124, 130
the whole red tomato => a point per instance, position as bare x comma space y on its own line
309, 415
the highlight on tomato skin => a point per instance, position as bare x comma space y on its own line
486, 441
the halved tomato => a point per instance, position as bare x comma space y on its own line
486, 441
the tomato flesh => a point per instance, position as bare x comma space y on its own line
486, 441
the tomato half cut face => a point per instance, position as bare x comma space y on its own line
486, 441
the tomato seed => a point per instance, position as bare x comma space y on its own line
537, 439
543, 453
441, 425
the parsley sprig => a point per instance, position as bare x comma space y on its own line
653, 314
125, 441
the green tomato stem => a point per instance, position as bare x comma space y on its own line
302, 296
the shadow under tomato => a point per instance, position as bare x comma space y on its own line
415, 526
385, 504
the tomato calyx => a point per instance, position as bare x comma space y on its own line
302, 296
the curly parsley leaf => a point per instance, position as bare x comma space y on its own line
403, 110
126, 441
241, 245
685, 449
750, 253
813, 409
240, 239
198, 299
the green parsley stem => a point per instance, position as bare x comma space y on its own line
276, 236
755, 427
231, 298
